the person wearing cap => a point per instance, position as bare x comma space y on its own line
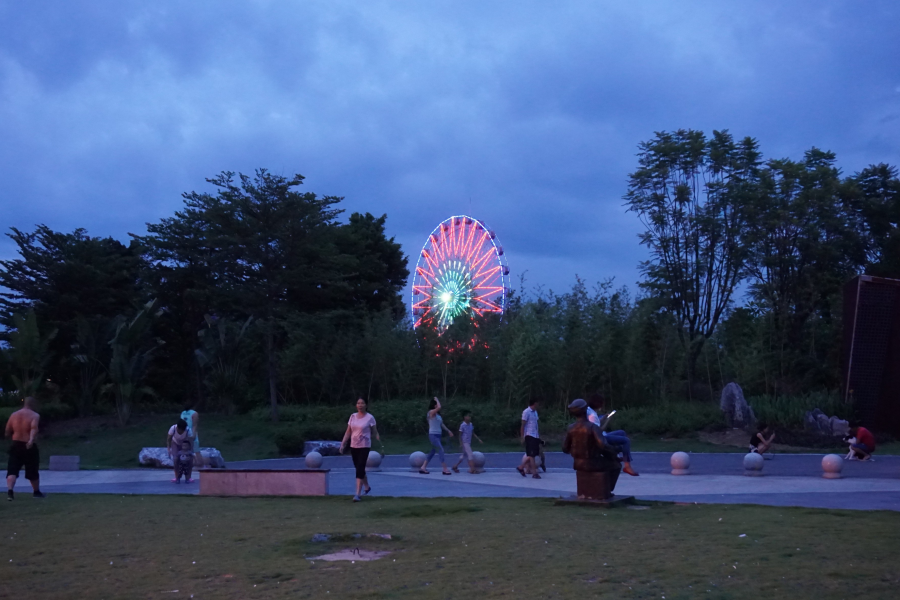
591, 454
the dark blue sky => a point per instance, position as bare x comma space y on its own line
524, 114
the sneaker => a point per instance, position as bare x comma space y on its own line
10, 495
39, 494
189, 481
356, 498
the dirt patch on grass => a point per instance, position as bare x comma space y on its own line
353, 555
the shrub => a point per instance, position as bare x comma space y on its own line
788, 411
290, 439
674, 419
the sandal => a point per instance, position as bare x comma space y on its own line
424, 472
535, 476
521, 471
455, 469
446, 473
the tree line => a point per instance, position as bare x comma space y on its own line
262, 295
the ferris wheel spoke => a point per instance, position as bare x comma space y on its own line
430, 260
428, 277
482, 263
477, 250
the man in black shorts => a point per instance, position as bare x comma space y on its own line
529, 434
22, 427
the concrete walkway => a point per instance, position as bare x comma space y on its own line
789, 480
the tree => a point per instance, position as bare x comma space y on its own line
375, 267
133, 346
804, 244
28, 353
223, 354
61, 276
877, 198
691, 194
90, 354
262, 249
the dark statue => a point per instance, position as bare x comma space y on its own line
596, 466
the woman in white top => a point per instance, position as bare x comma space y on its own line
360, 429
435, 427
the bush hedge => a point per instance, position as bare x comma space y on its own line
407, 418
788, 411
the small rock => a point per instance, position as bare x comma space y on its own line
321, 537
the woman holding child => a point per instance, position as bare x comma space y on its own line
360, 429
180, 441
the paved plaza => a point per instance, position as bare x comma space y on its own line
788, 480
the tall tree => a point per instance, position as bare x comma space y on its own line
63, 275
262, 249
690, 193
878, 200
805, 243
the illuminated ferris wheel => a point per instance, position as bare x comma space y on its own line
461, 271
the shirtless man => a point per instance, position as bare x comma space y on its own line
22, 427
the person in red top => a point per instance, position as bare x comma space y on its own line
865, 443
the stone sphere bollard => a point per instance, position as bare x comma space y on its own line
374, 461
681, 463
832, 465
416, 460
478, 459
753, 464
313, 460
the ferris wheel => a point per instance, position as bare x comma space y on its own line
461, 271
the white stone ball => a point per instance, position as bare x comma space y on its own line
680, 461
753, 461
374, 460
417, 459
832, 464
478, 459
313, 460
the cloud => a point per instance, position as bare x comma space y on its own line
527, 115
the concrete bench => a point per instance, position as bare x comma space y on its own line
258, 482
65, 463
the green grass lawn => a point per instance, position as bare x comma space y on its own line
238, 438
244, 438
102, 546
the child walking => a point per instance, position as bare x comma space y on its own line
466, 433
184, 464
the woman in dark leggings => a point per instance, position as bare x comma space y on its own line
359, 432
